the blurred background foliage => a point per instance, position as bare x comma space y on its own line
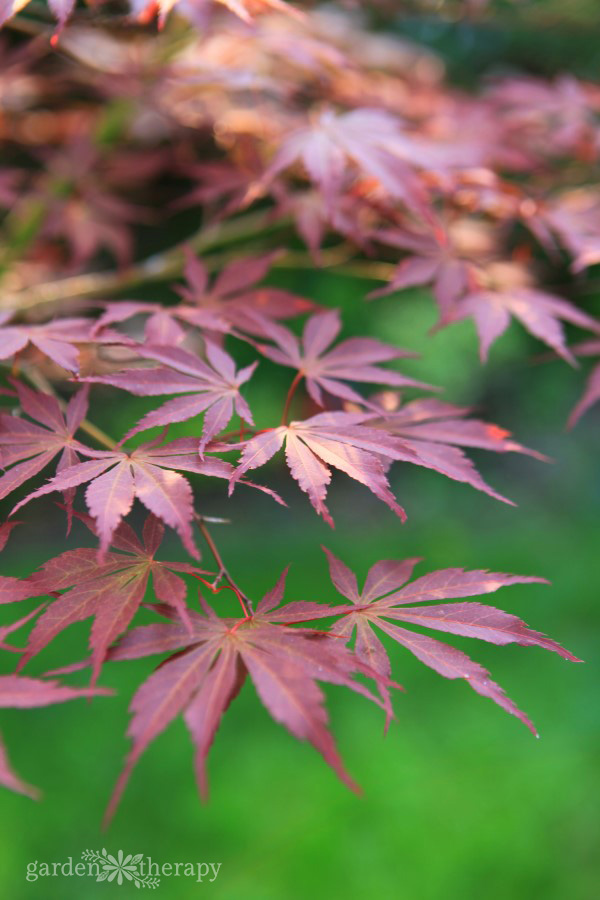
459, 800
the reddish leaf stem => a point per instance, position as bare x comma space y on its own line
293, 387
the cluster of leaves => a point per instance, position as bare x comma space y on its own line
316, 124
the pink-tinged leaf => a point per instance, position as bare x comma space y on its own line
342, 577
203, 715
385, 576
162, 697
209, 669
29, 447
355, 359
310, 472
9, 779
591, 394
24, 693
330, 439
273, 597
6, 630
57, 340
5, 532
296, 702
13, 589
145, 473
452, 583
211, 387
540, 313
110, 590
478, 621
109, 498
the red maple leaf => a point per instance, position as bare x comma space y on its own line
383, 597
210, 667
211, 387
434, 431
432, 259
111, 590
369, 143
117, 476
57, 340
540, 313
214, 308
28, 447
326, 369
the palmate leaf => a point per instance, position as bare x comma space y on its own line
58, 340
327, 370
540, 313
334, 439
111, 591
432, 259
211, 388
211, 666
384, 597
27, 447
117, 477
363, 445
435, 431
336, 148
214, 308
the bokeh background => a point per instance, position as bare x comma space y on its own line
459, 800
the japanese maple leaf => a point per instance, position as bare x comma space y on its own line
28, 447
332, 439
365, 142
434, 431
209, 668
211, 387
383, 597
56, 340
326, 369
25, 693
235, 291
539, 312
432, 260
117, 476
111, 590
214, 308
591, 395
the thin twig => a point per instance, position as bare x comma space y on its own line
223, 571
159, 267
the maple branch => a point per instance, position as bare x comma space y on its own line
158, 267
223, 571
290, 394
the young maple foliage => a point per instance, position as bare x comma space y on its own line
28, 447
210, 387
111, 590
384, 597
258, 117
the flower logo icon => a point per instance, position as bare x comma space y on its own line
120, 868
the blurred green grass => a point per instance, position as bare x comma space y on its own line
459, 800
